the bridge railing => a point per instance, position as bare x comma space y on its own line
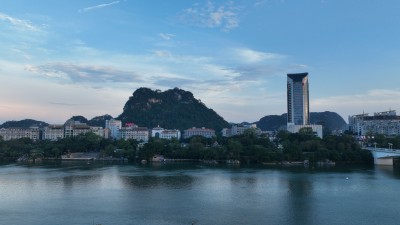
382, 149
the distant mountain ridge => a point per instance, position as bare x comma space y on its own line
98, 121
330, 121
178, 109
26, 123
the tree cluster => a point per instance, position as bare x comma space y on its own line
89, 142
305, 146
248, 147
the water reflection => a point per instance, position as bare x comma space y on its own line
299, 199
69, 182
75, 193
144, 182
390, 171
247, 180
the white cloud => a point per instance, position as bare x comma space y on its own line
372, 101
51, 73
98, 6
92, 74
224, 16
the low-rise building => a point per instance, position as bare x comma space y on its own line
134, 132
16, 133
226, 132
205, 132
98, 130
386, 123
107, 133
74, 128
162, 133
170, 134
53, 132
239, 129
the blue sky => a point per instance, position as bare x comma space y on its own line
65, 58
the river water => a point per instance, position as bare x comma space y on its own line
110, 194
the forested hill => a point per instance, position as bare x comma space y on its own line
171, 109
98, 121
26, 123
330, 121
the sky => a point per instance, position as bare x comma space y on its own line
64, 58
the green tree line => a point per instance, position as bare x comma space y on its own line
248, 148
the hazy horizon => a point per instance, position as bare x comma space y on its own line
62, 121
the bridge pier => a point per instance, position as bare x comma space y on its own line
384, 156
383, 161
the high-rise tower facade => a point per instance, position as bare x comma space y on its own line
297, 99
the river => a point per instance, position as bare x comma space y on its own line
184, 194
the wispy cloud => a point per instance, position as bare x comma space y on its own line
65, 104
18, 23
98, 6
174, 82
22, 39
257, 72
251, 56
84, 73
224, 16
162, 53
254, 65
375, 100
259, 3
166, 36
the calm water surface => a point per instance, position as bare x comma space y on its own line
80, 193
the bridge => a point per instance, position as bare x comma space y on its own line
383, 156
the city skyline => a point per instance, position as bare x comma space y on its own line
66, 58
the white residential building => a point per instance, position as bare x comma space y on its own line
156, 131
386, 123
205, 132
69, 129
165, 134
16, 133
53, 132
238, 129
134, 132
98, 130
74, 128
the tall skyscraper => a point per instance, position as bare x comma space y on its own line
297, 99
